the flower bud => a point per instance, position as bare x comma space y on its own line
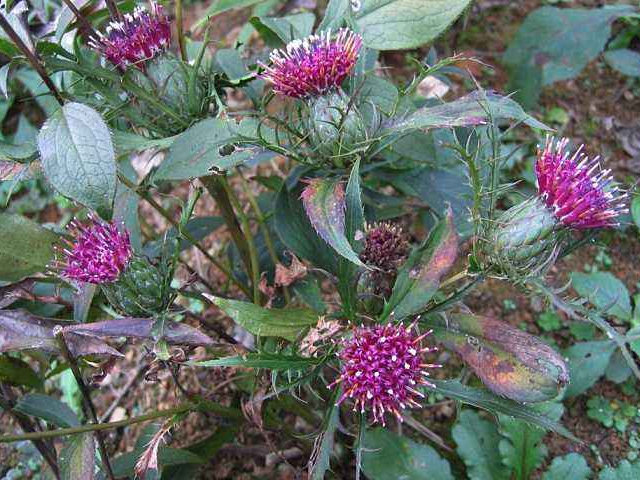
573, 193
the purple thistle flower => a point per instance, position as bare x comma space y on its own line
139, 37
382, 367
575, 188
314, 65
384, 247
98, 255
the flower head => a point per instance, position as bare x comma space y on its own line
382, 367
384, 247
99, 253
139, 37
313, 65
575, 188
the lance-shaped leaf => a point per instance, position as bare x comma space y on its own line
25, 247
287, 323
419, 277
324, 202
512, 363
476, 108
270, 361
21, 330
78, 156
142, 328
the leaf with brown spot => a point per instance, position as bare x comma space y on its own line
285, 276
419, 277
325, 205
510, 362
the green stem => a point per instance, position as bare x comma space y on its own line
268, 239
253, 252
180, 30
217, 186
142, 94
93, 427
223, 268
90, 409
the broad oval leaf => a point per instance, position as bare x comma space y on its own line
403, 24
25, 247
569, 467
287, 323
624, 60
16, 372
78, 157
325, 204
77, 458
419, 277
476, 108
199, 150
604, 291
510, 362
387, 456
588, 361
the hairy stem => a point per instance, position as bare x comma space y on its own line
217, 186
268, 239
90, 409
81, 18
180, 30
223, 268
32, 57
253, 252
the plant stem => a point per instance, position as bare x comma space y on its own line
180, 30
217, 186
45, 449
90, 409
81, 18
268, 240
93, 427
145, 195
253, 252
32, 57
113, 9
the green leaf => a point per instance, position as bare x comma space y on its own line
198, 227
510, 362
624, 471
25, 247
123, 465
570, 467
419, 277
475, 108
354, 211
47, 408
572, 38
522, 449
77, 458
199, 150
587, 363
19, 153
127, 142
221, 6
625, 61
387, 456
324, 202
335, 14
485, 399
404, 24
16, 372
278, 31
549, 321
477, 444
270, 361
635, 211
604, 291
78, 157
296, 232
286, 323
